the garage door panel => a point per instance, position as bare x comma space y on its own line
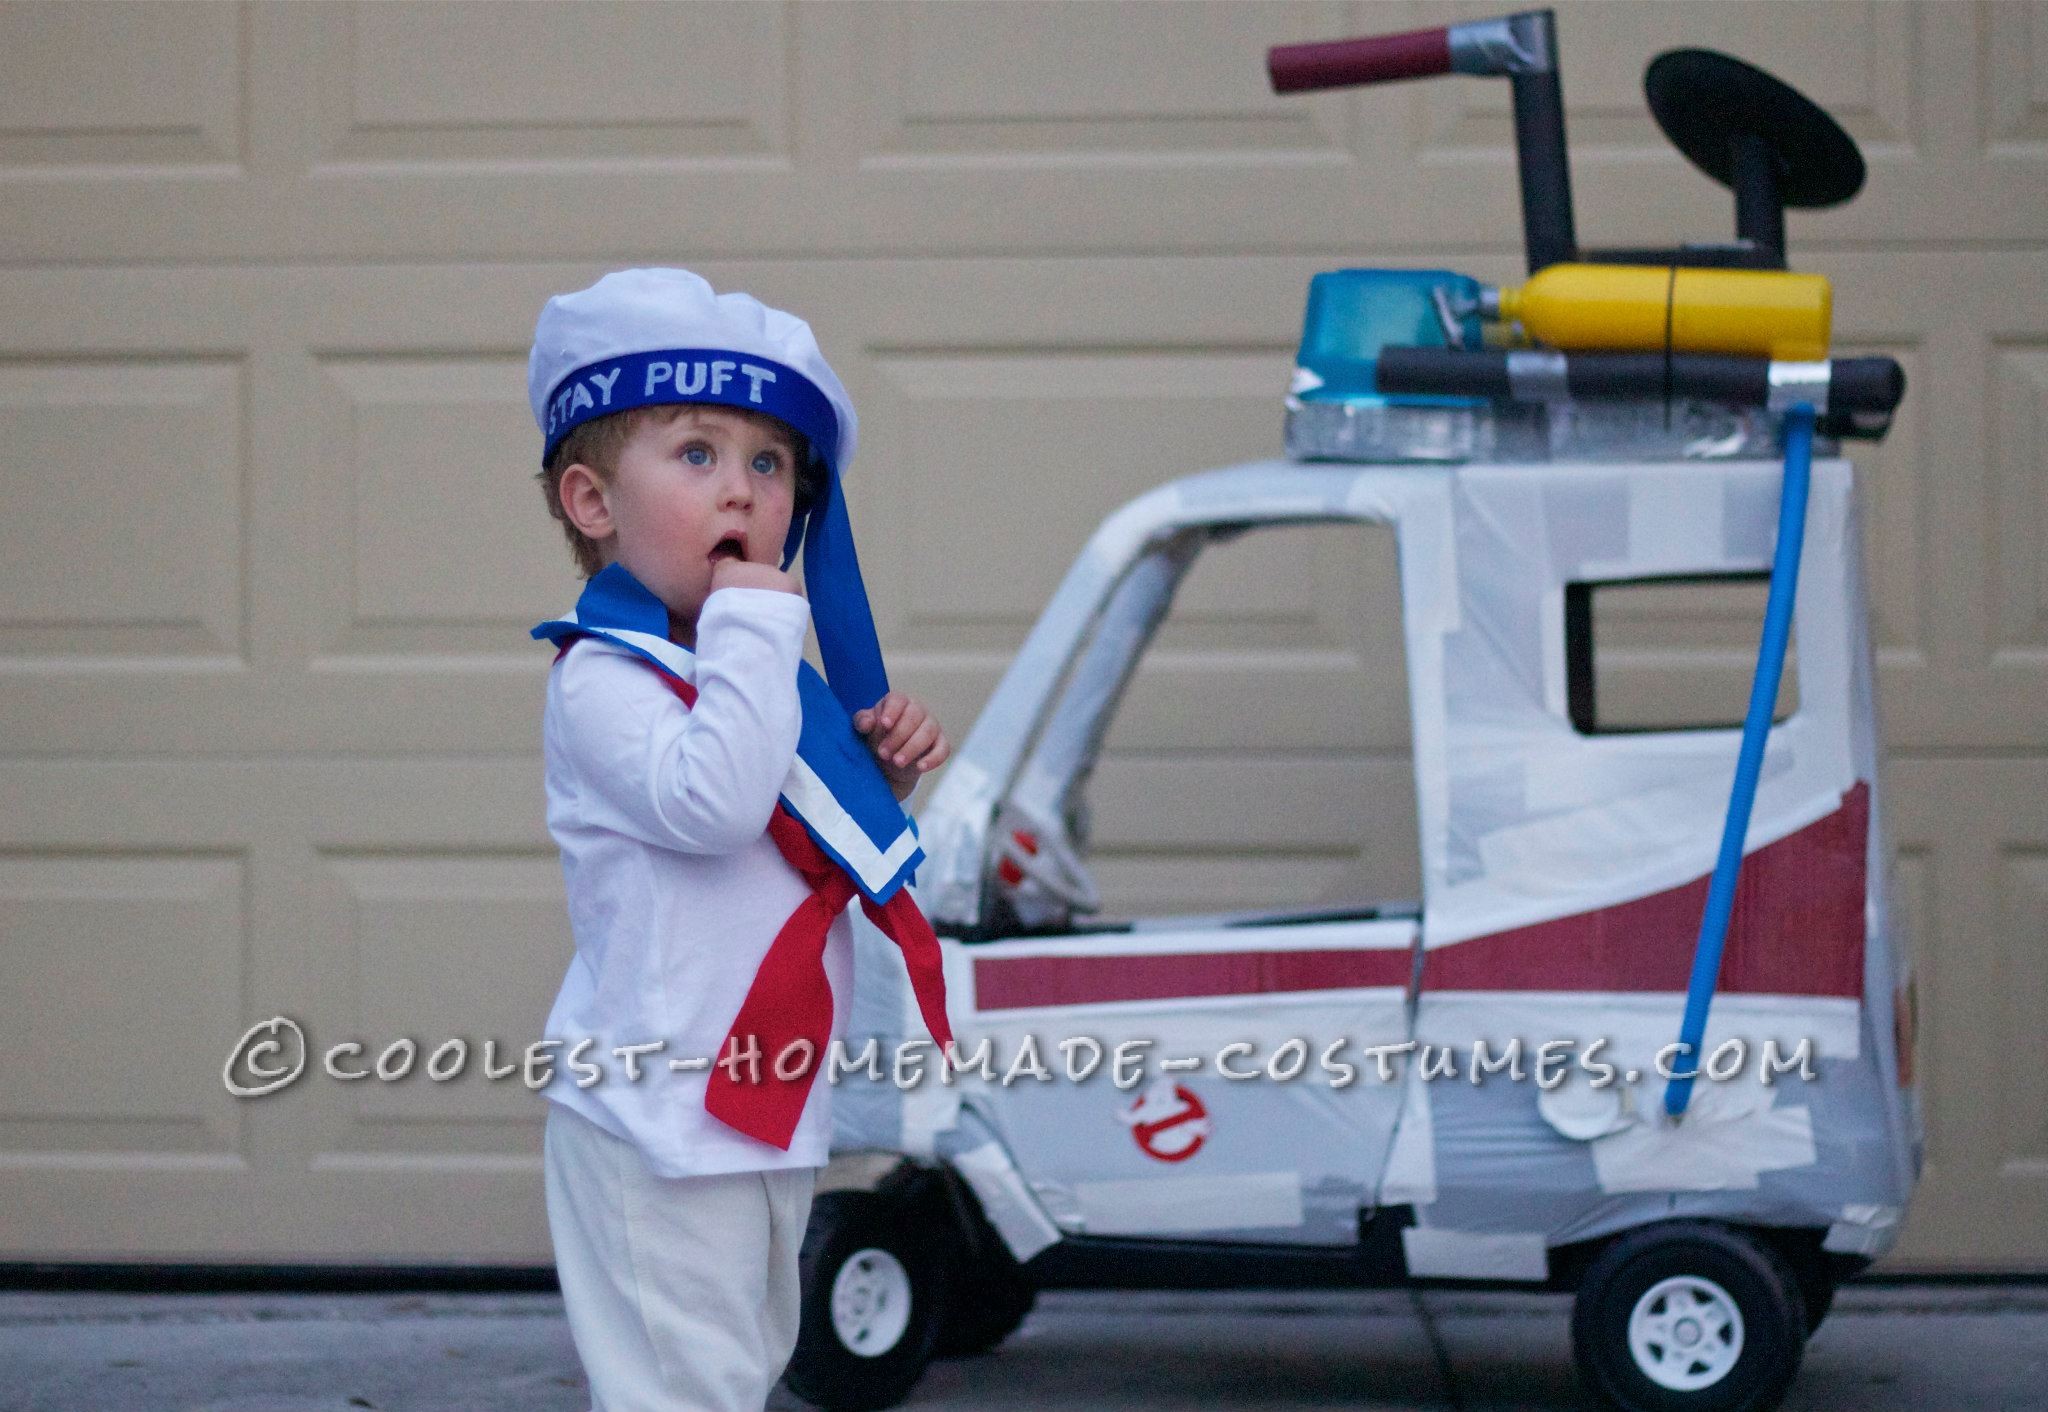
1132, 80
124, 537
411, 86
153, 913
124, 969
1977, 902
2023, 983
431, 524
92, 90
445, 947
2016, 79
2019, 497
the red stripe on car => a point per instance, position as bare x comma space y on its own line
1797, 929
1029, 982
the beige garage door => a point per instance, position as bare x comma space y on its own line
270, 714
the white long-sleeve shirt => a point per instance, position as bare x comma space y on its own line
675, 887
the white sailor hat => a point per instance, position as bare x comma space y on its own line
638, 338
641, 338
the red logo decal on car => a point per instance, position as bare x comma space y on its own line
1168, 1121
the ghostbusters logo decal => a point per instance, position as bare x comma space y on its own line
1168, 1122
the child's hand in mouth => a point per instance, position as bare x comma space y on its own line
730, 568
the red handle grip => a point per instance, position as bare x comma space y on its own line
1340, 63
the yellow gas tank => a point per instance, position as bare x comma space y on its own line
1752, 313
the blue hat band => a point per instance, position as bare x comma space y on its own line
666, 376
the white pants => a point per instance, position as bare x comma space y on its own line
681, 1293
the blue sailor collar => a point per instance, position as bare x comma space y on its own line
835, 788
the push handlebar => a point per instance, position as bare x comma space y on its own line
1343, 63
1521, 48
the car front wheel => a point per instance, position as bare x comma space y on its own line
873, 1297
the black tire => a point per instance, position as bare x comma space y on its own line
869, 1250
1817, 1293
986, 1306
1718, 1320
990, 1295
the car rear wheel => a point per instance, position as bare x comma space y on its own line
1688, 1315
873, 1296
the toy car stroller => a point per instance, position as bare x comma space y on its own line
1688, 924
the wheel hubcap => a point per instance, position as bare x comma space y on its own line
871, 1302
1685, 1333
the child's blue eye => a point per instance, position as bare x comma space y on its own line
697, 455
767, 463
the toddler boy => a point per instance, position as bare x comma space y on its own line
717, 806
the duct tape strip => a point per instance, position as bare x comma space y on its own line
1537, 376
1864, 1230
1172, 1205
1799, 382
1474, 1255
1703, 1154
1005, 1200
1489, 48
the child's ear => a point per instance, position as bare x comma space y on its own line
584, 501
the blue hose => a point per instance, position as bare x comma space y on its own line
1763, 695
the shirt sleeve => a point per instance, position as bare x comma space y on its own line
703, 779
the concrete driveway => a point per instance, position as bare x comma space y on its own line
1884, 1347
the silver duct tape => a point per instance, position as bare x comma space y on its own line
1537, 376
1649, 430
1800, 382
1344, 431
1507, 433
1514, 44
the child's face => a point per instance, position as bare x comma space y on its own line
694, 485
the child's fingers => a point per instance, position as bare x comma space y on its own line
939, 753
884, 713
908, 722
920, 741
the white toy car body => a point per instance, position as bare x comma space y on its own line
1563, 867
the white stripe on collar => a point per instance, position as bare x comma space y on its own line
677, 659
815, 805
